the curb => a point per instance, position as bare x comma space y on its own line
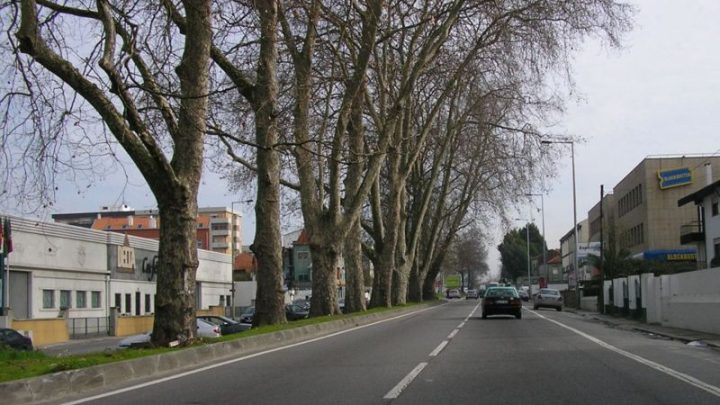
58, 385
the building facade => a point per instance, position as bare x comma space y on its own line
59, 270
647, 219
704, 231
567, 251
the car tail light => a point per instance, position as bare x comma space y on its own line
216, 329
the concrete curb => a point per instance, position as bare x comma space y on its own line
58, 385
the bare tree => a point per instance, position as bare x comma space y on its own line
150, 95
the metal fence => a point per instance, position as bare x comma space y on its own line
80, 328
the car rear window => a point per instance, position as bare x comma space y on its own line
501, 292
550, 292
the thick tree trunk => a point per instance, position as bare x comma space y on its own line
175, 298
269, 303
324, 278
415, 285
354, 274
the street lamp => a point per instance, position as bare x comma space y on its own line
575, 253
542, 207
527, 234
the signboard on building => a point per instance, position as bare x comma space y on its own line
671, 255
675, 177
586, 249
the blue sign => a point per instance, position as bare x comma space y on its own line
671, 255
675, 177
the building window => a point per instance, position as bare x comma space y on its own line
128, 303
81, 299
118, 302
222, 300
95, 297
65, 299
147, 304
714, 208
48, 299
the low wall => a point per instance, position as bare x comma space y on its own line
217, 311
44, 331
133, 325
589, 304
693, 301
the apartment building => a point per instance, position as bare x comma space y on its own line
218, 228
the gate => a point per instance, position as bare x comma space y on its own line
79, 328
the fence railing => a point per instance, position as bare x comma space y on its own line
79, 328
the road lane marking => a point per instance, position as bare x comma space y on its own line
659, 367
239, 359
438, 349
453, 333
398, 389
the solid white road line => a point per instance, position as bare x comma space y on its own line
453, 333
397, 390
438, 349
250, 356
659, 367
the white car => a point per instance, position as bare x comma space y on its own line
204, 329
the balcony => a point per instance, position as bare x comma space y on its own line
692, 233
219, 245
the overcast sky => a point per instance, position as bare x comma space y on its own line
658, 95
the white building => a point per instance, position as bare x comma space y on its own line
705, 231
58, 269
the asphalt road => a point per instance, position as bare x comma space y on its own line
449, 355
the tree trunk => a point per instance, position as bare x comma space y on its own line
175, 298
269, 303
354, 274
324, 278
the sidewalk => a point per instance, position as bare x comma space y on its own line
682, 335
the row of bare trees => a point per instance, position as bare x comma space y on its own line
396, 125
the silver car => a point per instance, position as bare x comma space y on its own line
548, 298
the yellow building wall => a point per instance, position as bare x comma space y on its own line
133, 325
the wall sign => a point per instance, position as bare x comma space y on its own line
149, 267
675, 177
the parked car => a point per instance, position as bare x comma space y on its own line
471, 293
294, 312
204, 329
501, 301
453, 293
247, 315
548, 298
227, 325
14, 339
303, 303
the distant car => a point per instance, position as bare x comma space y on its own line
294, 312
227, 325
453, 293
14, 339
247, 315
204, 329
303, 303
548, 298
524, 295
471, 293
501, 301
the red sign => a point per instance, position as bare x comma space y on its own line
542, 282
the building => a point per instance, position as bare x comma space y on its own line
59, 270
218, 229
567, 252
704, 231
297, 263
647, 218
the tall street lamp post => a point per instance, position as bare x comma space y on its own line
575, 253
527, 235
542, 208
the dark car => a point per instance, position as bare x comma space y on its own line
227, 325
294, 312
16, 340
501, 301
247, 315
524, 295
548, 298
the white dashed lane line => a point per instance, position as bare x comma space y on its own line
408, 379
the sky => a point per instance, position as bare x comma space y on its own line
659, 95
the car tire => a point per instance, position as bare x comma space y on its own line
559, 309
484, 315
518, 315
535, 307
